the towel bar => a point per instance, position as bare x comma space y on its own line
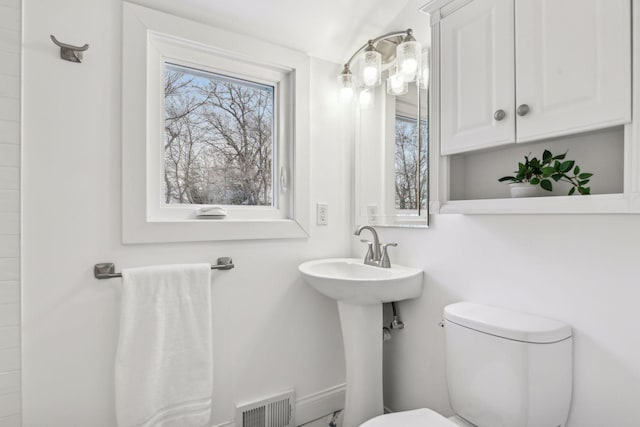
107, 270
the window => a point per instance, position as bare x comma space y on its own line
218, 139
211, 118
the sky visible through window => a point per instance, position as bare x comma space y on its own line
218, 139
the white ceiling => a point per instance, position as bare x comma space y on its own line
327, 29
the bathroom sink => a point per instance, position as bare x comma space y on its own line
360, 289
352, 281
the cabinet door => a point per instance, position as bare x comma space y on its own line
477, 76
573, 66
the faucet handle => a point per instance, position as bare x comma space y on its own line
384, 260
368, 258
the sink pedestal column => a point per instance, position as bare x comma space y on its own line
362, 335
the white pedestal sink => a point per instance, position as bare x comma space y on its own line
360, 290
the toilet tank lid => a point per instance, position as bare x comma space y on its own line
507, 323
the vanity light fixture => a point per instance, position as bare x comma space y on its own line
397, 52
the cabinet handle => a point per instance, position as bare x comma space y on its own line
499, 115
523, 110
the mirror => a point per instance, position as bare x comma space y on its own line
391, 160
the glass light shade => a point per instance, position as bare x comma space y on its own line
365, 98
396, 85
371, 67
345, 87
424, 75
424, 80
408, 56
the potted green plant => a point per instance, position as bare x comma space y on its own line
534, 174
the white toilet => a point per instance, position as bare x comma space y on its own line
504, 369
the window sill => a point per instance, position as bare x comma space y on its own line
202, 230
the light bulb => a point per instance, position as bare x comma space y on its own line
365, 98
345, 94
369, 75
409, 67
396, 85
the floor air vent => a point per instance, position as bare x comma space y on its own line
275, 411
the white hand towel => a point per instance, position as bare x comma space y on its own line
164, 358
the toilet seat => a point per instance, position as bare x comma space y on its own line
417, 418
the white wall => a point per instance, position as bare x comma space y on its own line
582, 270
9, 213
271, 331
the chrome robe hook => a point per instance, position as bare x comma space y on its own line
69, 52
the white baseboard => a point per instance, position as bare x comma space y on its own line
314, 406
320, 404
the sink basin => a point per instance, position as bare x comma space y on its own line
360, 290
352, 281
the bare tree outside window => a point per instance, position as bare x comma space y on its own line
411, 163
219, 139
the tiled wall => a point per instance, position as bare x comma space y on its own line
10, 36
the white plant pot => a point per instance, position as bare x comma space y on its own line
524, 189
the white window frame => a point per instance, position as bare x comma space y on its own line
152, 38
162, 50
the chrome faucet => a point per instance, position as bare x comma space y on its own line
377, 254
373, 253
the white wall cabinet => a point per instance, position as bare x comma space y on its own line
574, 63
478, 76
519, 71
573, 66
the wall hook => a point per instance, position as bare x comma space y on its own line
69, 52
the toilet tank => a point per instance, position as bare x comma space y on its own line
507, 369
